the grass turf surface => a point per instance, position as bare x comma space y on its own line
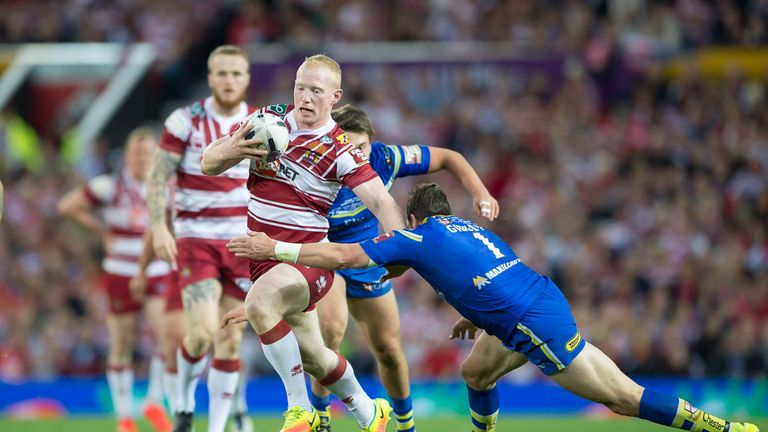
445, 424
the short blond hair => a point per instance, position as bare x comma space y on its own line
140, 133
326, 62
227, 50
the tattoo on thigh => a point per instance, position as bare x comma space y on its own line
204, 291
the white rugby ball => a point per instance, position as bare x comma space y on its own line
271, 130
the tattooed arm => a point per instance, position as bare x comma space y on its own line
163, 168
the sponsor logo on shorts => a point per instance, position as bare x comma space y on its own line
321, 283
573, 343
243, 283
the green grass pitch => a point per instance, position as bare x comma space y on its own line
444, 424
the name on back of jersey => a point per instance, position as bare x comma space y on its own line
470, 227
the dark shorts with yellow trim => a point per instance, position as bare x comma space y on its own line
547, 333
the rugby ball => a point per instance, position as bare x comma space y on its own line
271, 130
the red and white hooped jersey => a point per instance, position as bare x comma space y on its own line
122, 201
290, 198
207, 207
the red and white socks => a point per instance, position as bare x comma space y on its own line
282, 350
171, 387
343, 383
155, 384
120, 381
189, 370
222, 385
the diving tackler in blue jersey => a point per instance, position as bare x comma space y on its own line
523, 313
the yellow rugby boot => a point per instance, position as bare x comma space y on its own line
380, 416
743, 427
298, 419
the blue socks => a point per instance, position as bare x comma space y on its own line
675, 412
319, 403
484, 409
403, 414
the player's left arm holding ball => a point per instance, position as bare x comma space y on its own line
229, 150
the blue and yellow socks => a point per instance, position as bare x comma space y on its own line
675, 412
484, 409
403, 414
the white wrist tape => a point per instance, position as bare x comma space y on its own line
285, 251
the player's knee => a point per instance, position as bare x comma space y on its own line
474, 378
120, 355
256, 309
389, 354
199, 338
333, 335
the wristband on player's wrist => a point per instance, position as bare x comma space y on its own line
285, 251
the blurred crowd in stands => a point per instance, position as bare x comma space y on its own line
643, 194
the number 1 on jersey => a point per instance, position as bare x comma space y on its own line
491, 247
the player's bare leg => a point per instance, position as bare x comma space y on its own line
122, 336
379, 322
289, 337
153, 411
333, 317
201, 306
594, 376
488, 361
224, 374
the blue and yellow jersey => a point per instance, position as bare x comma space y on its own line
470, 267
349, 220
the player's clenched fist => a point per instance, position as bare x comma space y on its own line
257, 246
463, 329
486, 206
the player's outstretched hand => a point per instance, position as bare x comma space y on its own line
463, 329
235, 316
257, 246
486, 206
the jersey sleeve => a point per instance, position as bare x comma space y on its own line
177, 129
410, 160
397, 247
100, 190
353, 169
